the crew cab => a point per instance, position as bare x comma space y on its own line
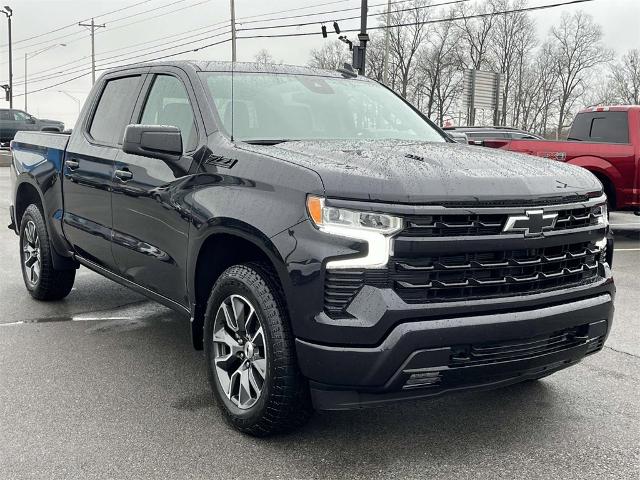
332, 247
605, 141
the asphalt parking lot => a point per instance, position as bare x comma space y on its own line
106, 385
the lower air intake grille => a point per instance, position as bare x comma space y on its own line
471, 355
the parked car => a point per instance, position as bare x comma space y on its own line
13, 121
605, 141
332, 247
478, 135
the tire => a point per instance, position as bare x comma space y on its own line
277, 402
42, 280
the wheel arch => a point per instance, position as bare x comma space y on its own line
27, 192
219, 247
604, 171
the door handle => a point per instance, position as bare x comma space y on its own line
72, 164
123, 175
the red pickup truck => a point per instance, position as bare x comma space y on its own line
605, 141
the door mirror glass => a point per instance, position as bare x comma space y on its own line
155, 141
459, 137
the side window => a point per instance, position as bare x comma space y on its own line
20, 116
610, 127
168, 104
6, 115
114, 110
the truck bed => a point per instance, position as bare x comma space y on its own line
32, 149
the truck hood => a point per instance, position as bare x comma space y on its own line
426, 172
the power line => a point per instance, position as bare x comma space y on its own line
174, 37
343, 10
75, 23
160, 7
410, 24
138, 52
202, 47
316, 22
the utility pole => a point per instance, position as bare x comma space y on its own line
363, 36
92, 26
385, 73
9, 13
233, 31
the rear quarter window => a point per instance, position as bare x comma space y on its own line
605, 127
114, 110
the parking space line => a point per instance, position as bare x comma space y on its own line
626, 249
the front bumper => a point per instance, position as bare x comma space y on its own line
423, 358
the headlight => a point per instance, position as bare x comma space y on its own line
602, 214
374, 228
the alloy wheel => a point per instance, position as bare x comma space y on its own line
239, 351
31, 253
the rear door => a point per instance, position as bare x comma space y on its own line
150, 216
89, 166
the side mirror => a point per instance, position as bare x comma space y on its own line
459, 137
154, 141
31, 120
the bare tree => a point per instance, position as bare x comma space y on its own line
264, 57
512, 36
577, 49
476, 31
408, 32
375, 58
537, 95
439, 70
331, 56
625, 78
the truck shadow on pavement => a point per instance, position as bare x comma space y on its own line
437, 428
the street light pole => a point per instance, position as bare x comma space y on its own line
9, 13
72, 98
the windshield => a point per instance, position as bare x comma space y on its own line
274, 106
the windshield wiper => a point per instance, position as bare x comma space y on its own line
265, 142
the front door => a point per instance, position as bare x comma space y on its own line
150, 216
88, 169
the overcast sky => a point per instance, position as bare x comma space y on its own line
152, 24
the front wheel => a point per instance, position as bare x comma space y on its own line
250, 353
43, 281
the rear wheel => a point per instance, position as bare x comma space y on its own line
42, 280
250, 353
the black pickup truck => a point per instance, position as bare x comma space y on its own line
331, 246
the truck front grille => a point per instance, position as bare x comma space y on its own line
454, 255
493, 274
470, 276
455, 225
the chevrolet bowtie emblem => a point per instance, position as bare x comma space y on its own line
532, 223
